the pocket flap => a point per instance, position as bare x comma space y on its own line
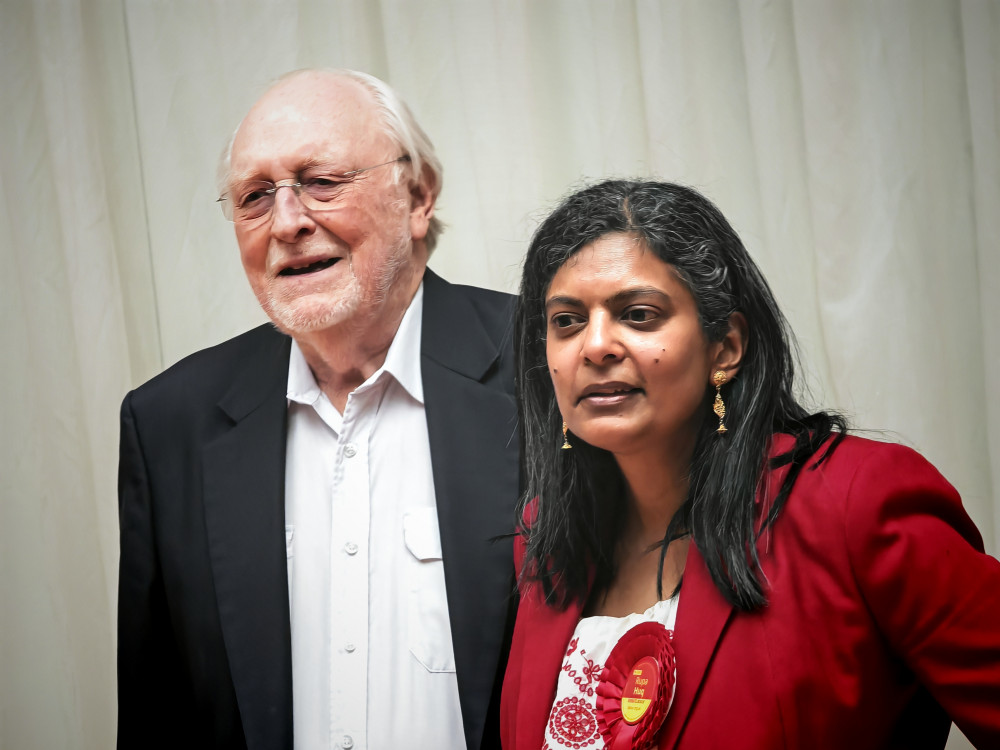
421, 534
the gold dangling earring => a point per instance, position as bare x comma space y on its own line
565, 445
719, 407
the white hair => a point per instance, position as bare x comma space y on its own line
401, 127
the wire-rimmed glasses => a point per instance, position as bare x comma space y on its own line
253, 201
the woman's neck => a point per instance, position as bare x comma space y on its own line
655, 489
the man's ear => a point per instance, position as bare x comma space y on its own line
422, 198
729, 356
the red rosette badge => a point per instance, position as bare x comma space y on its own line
636, 687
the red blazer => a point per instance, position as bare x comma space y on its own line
883, 623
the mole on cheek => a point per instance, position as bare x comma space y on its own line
657, 360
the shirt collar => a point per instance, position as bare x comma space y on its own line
402, 361
302, 387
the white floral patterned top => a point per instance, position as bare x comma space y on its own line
573, 718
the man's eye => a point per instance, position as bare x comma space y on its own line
252, 197
323, 187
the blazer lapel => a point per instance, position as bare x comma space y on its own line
471, 427
244, 513
701, 619
546, 635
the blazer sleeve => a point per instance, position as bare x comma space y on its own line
152, 697
919, 562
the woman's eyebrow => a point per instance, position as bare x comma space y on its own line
562, 300
627, 295
619, 298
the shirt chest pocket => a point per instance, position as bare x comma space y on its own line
428, 627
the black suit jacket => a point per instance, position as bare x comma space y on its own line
204, 644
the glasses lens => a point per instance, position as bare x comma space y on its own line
253, 202
322, 189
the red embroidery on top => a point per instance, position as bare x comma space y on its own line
573, 723
593, 670
584, 679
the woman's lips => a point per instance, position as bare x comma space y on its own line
608, 394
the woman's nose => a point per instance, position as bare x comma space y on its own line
600, 340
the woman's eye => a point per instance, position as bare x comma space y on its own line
563, 320
638, 315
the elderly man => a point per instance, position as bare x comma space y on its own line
307, 510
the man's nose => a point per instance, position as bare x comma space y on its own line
290, 220
601, 342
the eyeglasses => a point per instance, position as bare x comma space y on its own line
253, 201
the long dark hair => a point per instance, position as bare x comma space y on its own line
580, 493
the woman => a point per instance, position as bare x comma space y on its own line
703, 563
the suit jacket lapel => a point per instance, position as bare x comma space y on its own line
245, 517
701, 619
474, 458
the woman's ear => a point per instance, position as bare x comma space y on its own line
729, 356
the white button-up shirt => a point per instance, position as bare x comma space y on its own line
372, 658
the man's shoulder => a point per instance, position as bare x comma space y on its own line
494, 309
469, 330
434, 285
209, 372
484, 295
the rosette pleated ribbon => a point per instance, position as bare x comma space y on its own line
636, 688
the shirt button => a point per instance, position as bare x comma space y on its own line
347, 742
349, 648
350, 451
351, 548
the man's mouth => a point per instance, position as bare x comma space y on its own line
309, 268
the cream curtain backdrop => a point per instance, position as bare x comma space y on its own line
854, 145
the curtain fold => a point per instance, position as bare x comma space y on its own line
854, 145
71, 356
981, 39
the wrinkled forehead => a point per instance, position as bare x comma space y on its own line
308, 119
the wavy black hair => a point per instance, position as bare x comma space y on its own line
576, 521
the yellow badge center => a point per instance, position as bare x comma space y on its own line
640, 689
